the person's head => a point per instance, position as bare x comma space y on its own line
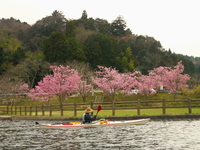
88, 110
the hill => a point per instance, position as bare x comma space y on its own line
56, 40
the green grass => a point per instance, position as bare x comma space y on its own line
128, 112
22, 101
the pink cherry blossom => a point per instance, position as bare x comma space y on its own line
62, 83
111, 81
172, 78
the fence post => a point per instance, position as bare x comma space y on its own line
15, 110
113, 108
189, 106
75, 113
7, 109
11, 109
164, 107
42, 110
138, 107
36, 110
30, 110
61, 109
50, 110
91, 106
20, 109
25, 110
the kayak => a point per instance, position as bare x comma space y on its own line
94, 123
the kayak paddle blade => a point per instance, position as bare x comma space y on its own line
98, 109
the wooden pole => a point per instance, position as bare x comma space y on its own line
113, 108
164, 107
75, 112
138, 107
50, 110
20, 109
7, 109
11, 109
36, 110
189, 106
25, 110
91, 106
30, 110
42, 110
15, 110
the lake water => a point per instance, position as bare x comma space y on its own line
155, 135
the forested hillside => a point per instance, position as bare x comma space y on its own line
26, 51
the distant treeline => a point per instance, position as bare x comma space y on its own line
26, 51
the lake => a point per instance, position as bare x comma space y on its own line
155, 135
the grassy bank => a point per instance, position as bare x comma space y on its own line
107, 98
24, 101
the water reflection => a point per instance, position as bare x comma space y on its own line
172, 135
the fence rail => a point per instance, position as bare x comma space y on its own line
112, 106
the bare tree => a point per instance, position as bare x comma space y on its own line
86, 83
11, 88
30, 71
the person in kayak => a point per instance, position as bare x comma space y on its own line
87, 117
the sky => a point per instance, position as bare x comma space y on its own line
175, 23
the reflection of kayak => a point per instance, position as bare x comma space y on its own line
94, 124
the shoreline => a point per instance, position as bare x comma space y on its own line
153, 118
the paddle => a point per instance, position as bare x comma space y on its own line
98, 109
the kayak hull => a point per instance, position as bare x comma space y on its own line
95, 124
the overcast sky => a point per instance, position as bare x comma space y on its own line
175, 23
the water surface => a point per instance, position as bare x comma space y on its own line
155, 135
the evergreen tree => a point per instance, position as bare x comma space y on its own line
118, 27
55, 48
84, 15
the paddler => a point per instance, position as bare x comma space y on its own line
87, 117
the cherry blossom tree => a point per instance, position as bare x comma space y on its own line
38, 94
160, 74
175, 80
172, 78
111, 81
62, 83
146, 85
168, 77
23, 88
84, 89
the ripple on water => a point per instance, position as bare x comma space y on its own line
155, 135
